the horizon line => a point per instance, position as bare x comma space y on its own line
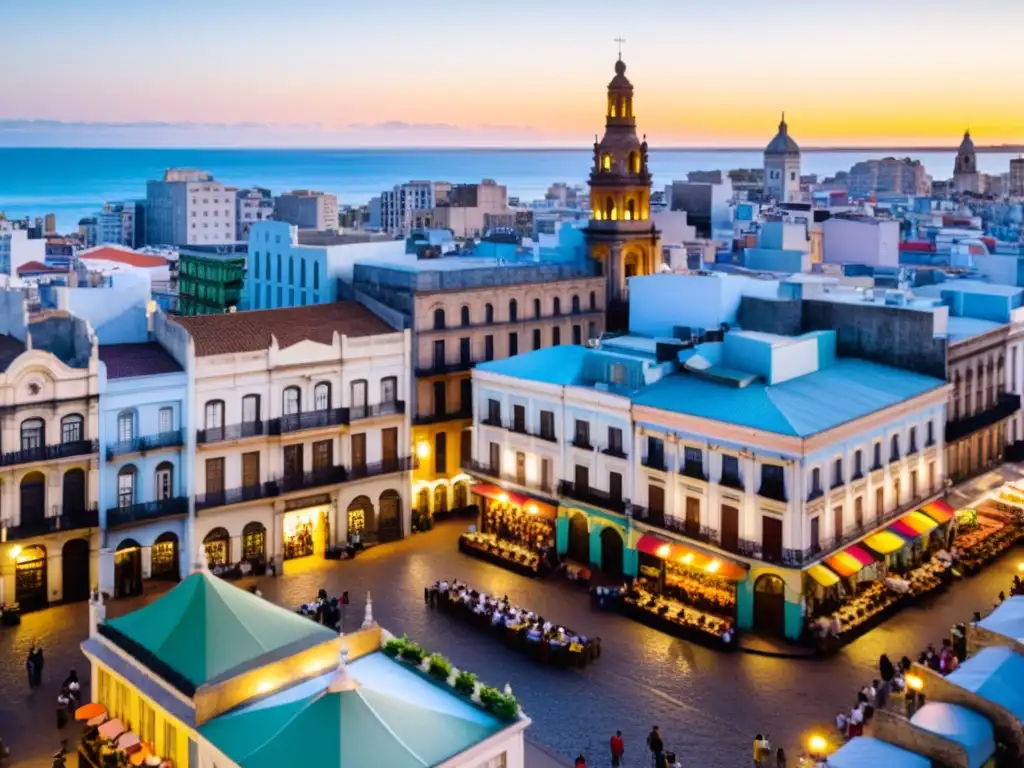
506, 148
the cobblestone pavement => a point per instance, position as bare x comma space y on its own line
708, 704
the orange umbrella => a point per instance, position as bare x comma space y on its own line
144, 751
89, 711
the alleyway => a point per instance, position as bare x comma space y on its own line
708, 704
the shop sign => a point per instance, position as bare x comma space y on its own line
321, 499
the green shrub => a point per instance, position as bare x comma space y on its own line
440, 668
499, 704
412, 652
465, 683
395, 646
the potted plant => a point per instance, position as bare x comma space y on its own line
439, 667
465, 683
395, 646
412, 652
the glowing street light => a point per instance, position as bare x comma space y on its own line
663, 551
15, 551
423, 450
818, 745
914, 683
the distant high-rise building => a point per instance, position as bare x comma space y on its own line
890, 174
965, 168
782, 167
252, 205
307, 209
1017, 177
402, 206
188, 207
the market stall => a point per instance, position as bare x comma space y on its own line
986, 530
515, 531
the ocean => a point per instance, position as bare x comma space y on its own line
73, 183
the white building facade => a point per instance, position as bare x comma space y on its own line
398, 206
189, 207
251, 205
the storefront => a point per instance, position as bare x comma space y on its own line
514, 529
30, 577
164, 563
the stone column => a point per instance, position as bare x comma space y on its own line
147, 562
106, 568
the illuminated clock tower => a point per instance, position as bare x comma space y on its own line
621, 235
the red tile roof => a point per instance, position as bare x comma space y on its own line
123, 256
36, 267
251, 331
146, 359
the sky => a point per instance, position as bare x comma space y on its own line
707, 73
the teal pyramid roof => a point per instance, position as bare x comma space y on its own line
410, 724
205, 630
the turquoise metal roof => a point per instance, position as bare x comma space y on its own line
393, 717
963, 726
562, 365
868, 752
847, 390
997, 674
1007, 619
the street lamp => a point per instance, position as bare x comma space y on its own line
915, 697
817, 746
423, 450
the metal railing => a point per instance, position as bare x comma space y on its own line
172, 439
146, 510
592, 496
392, 408
62, 519
223, 498
48, 452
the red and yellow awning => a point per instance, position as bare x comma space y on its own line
885, 542
690, 557
913, 525
849, 561
939, 511
528, 503
824, 576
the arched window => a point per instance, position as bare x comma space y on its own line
72, 429
214, 414
556, 307
630, 210
322, 396
164, 481
126, 486
218, 547
316, 276
593, 300
575, 305
611, 106
250, 409
465, 316
609, 209
513, 310
634, 162
438, 319
291, 401
489, 313
895, 448
33, 434
536, 307
606, 162
389, 389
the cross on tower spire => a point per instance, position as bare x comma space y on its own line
620, 40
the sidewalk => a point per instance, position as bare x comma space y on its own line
538, 757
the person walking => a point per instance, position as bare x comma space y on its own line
655, 744
618, 749
63, 701
581, 761
758, 756
30, 666
886, 670
780, 758
37, 666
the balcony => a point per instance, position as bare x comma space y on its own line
614, 450
440, 367
659, 519
492, 421
436, 418
145, 511
313, 479
232, 432
731, 480
48, 452
296, 422
655, 462
171, 439
592, 496
486, 469
224, 498
61, 520
1006, 405
582, 443
393, 408
383, 467
773, 490
815, 493
694, 469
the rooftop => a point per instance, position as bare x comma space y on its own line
390, 716
123, 256
206, 630
963, 328
126, 361
252, 331
847, 389
36, 267
560, 365
10, 348
968, 286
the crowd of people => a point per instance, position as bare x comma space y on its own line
550, 641
672, 614
69, 694
513, 524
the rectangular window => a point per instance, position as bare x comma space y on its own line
250, 469
615, 486
582, 478
730, 469
536, 338
513, 344
440, 453
857, 471
519, 418
170, 750
556, 336
581, 437
323, 454
389, 445
103, 688
545, 474
615, 440
494, 413
293, 465
655, 452
440, 398
439, 354
464, 351
878, 456
250, 409
547, 425
837, 473
466, 395
913, 440
577, 335
488, 347
465, 446
816, 481
931, 430
693, 462
165, 420
215, 475
215, 415
494, 459
147, 722
359, 451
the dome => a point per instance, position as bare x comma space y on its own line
967, 145
783, 143
620, 81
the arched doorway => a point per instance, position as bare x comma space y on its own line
30, 578
73, 498
128, 569
390, 525
460, 495
770, 605
218, 547
359, 516
611, 552
33, 502
423, 501
579, 538
440, 499
254, 543
164, 561
75, 570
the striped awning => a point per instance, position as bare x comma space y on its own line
690, 557
824, 576
849, 561
913, 525
939, 511
885, 542
499, 494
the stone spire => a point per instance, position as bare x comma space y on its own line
368, 621
342, 681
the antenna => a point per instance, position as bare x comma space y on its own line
620, 40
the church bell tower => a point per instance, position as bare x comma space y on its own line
621, 235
